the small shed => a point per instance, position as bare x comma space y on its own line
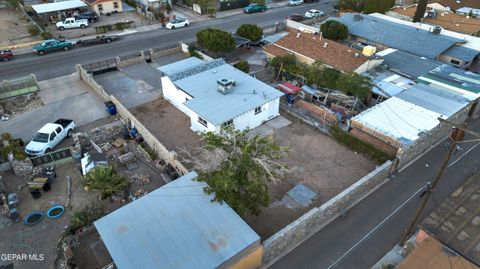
288, 88
178, 226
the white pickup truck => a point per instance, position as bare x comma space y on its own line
70, 23
49, 136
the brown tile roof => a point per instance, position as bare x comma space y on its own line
91, 2
335, 54
450, 21
456, 4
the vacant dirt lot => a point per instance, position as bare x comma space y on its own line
13, 30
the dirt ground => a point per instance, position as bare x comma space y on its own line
13, 29
104, 20
14, 107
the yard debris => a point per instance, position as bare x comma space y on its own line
140, 193
119, 142
9, 109
140, 179
106, 147
126, 158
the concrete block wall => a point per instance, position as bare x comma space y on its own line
296, 232
169, 156
319, 112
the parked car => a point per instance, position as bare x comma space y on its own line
178, 23
52, 45
91, 16
252, 8
313, 13
6, 55
96, 40
295, 17
71, 23
49, 136
295, 2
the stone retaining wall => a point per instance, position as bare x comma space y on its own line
301, 229
107, 133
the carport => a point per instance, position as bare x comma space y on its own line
59, 10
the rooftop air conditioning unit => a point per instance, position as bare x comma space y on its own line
225, 85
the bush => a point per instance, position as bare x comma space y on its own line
85, 217
106, 180
33, 30
168, 8
334, 30
243, 66
251, 32
285, 60
358, 145
192, 51
13, 147
215, 40
46, 35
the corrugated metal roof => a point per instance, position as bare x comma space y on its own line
200, 82
462, 53
180, 66
434, 99
52, 7
408, 64
410, 39
176, 226
399, 119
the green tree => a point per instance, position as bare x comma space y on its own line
381, 6
334, 30
245, 166
85, 217
243, 66
420, 12
355, 5
251, 32
215, 40
106, 180
285, 60
354, 84
328, 78
168, 8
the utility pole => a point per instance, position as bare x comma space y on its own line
457, 135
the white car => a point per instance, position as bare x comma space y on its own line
71, 23
295, 2
313, 13
178, 23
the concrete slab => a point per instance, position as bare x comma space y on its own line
262, 131
278, 123
60, 88
302, 194
144, 72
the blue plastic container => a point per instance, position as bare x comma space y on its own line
55, 215
28, 219
111, 108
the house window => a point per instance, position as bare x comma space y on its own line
455, 62
100, 7
227, 123
202, 121
258, 109
115, 5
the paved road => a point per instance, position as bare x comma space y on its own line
340, 244
62, 63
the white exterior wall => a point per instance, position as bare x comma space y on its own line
247, 120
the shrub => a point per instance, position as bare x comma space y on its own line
334, 30
243, 66
358, 145
192, 51
33, 30
106, 180
285, 60
251, 32
85, 217
168, 8
13, 147
215, 40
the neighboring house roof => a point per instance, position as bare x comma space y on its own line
471, 42
454, 79
467, 10
462, 53
312, 46
200, 82
410, 39
176, 226
58, 6
399, 119
450, 21
389, 84
456, 4
92, 2
434, 99
455, 222
430, 253
406, 63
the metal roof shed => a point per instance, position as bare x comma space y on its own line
58, 6
177, 226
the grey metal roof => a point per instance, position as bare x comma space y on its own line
434, 99
200, 82
403, 37
180, 66
409, 65
176, 226
454, 77
462, 53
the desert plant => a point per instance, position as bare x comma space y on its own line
215, 40
85, 217
106, 180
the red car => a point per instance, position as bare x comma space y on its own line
295, 17
6, 55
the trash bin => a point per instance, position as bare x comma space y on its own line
111, 108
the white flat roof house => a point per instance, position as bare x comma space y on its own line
215, 94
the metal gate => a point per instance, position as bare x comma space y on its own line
101, 67
50, 157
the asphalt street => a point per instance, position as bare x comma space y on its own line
63, 62
374, 226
